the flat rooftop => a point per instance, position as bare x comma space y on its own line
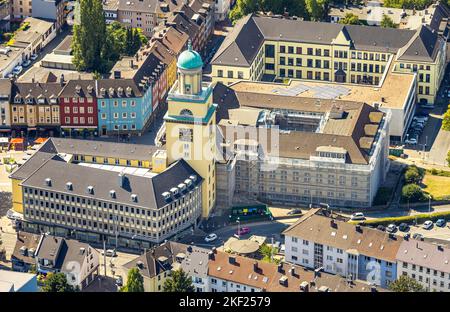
143, 172
394, 90
38, 73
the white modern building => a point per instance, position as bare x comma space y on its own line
222, 8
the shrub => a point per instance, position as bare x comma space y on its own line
412, 192
414, 174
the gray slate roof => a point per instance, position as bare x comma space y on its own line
148, 190
98, 148
423, 46
242, 44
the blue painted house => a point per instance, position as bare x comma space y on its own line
377, 271
124, 107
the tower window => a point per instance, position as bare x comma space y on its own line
188, 87
186, 112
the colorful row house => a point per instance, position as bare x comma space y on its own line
123, 107
35, 108
79, 115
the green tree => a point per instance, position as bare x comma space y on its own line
179, 281
405, 284
89, 36
446, 121
316, 9
267, 252
414, 174
350, 19
387, 22
135, 282
448, 158
242, 8
57, 282
412, 192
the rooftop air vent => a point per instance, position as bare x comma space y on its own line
174, 191
69, 186
182, 187
166, 195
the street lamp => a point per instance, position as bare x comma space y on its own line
239, 228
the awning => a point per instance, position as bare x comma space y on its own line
40, 140
17, 141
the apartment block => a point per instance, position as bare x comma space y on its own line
272, 48
320, 240
78, 261
426, 262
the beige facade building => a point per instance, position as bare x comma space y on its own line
269, 48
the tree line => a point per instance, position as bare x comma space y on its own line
96, 46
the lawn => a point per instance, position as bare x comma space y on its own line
437, 186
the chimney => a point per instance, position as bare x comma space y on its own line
255, 266
280, 268
304, 286
121, 179
358, 228
61, 80
131, 63
32, 80
292, 270
214, 250
333, 223
373, 288
211, 255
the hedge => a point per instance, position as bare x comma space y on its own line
406, 219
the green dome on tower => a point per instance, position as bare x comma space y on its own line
189, 59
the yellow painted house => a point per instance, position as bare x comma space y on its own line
268, 48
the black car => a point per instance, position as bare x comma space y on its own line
381, 227
403, 227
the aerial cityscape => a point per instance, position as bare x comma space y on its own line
272, 146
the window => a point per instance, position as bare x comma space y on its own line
282, 49
240, 75
230, 74
220, 73
269, 50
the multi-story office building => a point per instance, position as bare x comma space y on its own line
68, 191
268, 48
319, 240
288, 150
5, 114
426, 262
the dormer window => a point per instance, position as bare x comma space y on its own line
134, 198
78, 89
174, 191
129, 90
69, 186
112, 193
166, 195
120, 91
90, 189
102, 91
17, 99
90, 89
111, 91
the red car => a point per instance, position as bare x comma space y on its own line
243, 231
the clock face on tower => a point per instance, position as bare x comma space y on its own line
185, 135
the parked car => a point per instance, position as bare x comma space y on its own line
403, 227
412, 141
243, 231
391, 228
357, 216
119, 281
33, 57
427, 225
417, 236
109, 253
17, 70
210, 238
381, 227
26, 63
294, 212
441, 222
